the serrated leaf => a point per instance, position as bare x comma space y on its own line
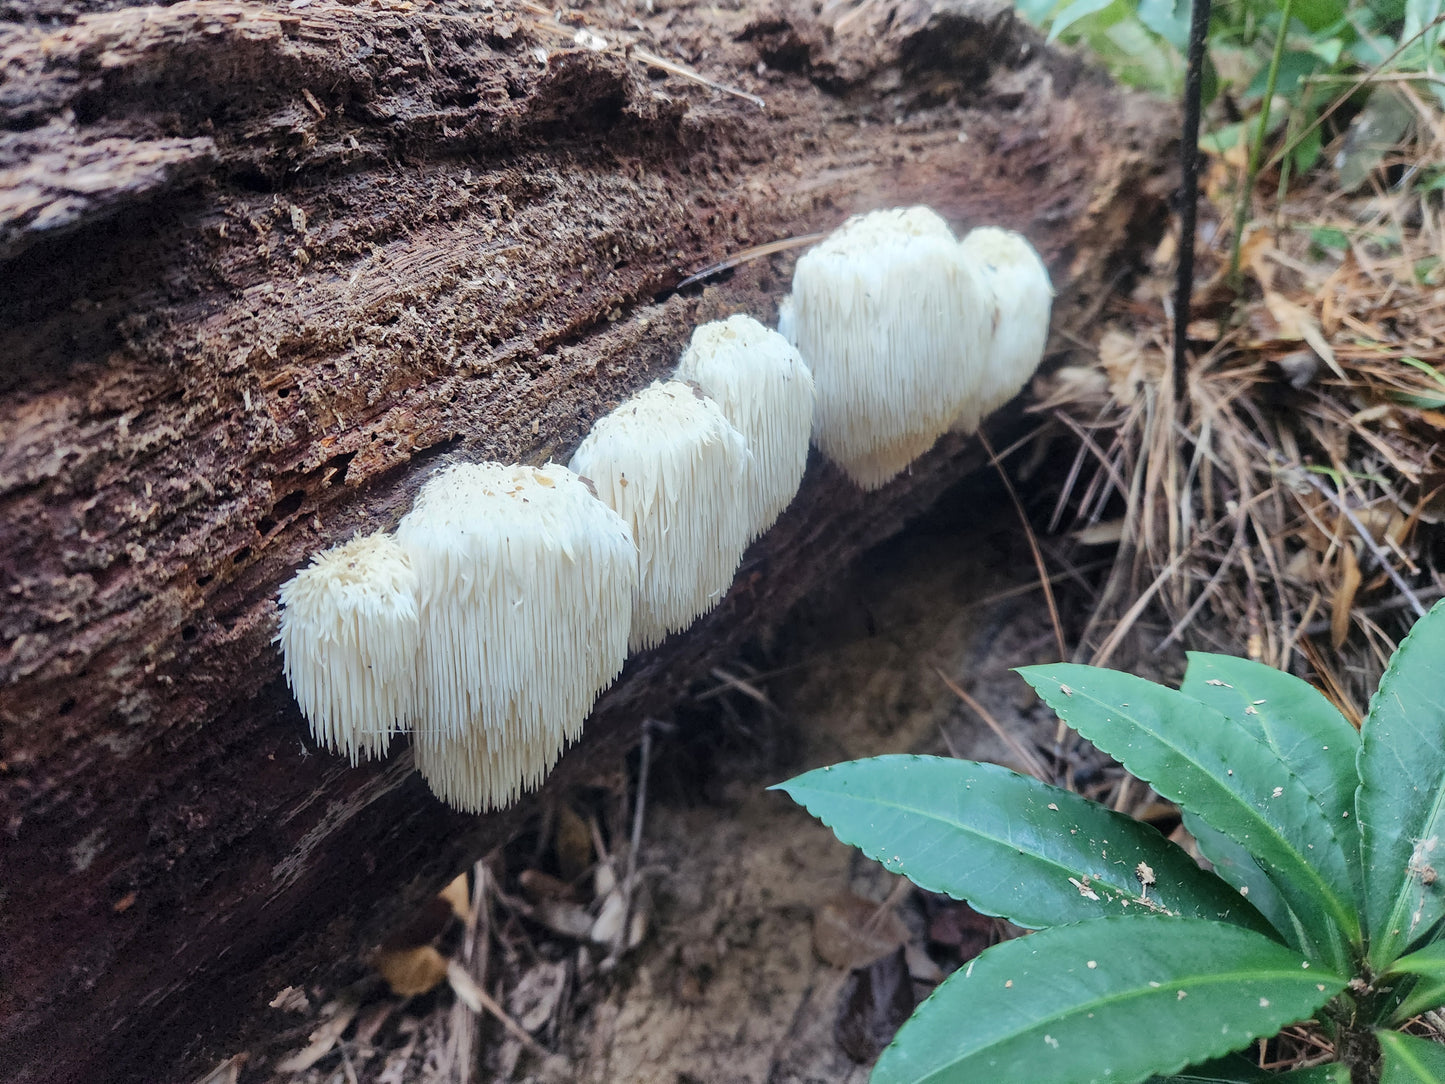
1426, 970
1290, 715
1009, 844
1236, 866
1408, 1060
1230, 1069
1194, 755
1401, 801
1294, 719
1333, 1073
1112, 999
1236, 1070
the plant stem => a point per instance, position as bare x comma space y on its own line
1256, 148
1189, 193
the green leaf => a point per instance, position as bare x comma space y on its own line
1230, 1069
1294, 66
1401, 800
1194, 755
1307, 151
1237, 867
1167, 18
1236, 1070
1426, 969
1112, 999
1291, 716
1009, 844
1333, 1073
1035, 11
1294, 719
1318, 14
1408, 1060
1072, 13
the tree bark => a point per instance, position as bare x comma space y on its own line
266, 267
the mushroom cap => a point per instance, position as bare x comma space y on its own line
766, 392
1020, 296
348, 639
892, 319
526, 583
674, 468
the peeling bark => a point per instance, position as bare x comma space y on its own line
264, 269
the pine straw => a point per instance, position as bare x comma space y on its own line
1288, 510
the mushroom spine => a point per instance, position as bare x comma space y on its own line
765, 390
892, 319
525, 589
349, 635
674, 468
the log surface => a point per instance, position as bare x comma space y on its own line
264, 268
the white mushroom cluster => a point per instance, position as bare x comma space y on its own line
763, 387
892, 318
509, 596
910, 332
1020, 297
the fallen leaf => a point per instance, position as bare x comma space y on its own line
291, 999
322, 1039
538, 886
534, 1000
1344, 597
879, 1000
573, 843
411, 971
464, 986
456, 896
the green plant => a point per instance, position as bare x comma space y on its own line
1323, 901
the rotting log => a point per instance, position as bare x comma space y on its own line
263, 268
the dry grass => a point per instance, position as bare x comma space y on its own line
1288, 508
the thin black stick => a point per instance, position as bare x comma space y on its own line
1188, 193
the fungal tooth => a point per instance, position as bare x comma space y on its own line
674, 468
525, 584
765, 390
349, 635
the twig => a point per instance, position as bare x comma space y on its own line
1189, 193
687, 73
1026, 756
1033, 545
747, 254
1370, 544
639, 808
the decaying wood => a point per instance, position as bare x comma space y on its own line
264, 268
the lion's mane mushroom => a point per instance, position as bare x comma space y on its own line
672, 465
525, 584
766, 392
348, 639
890, 316
1020, 297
